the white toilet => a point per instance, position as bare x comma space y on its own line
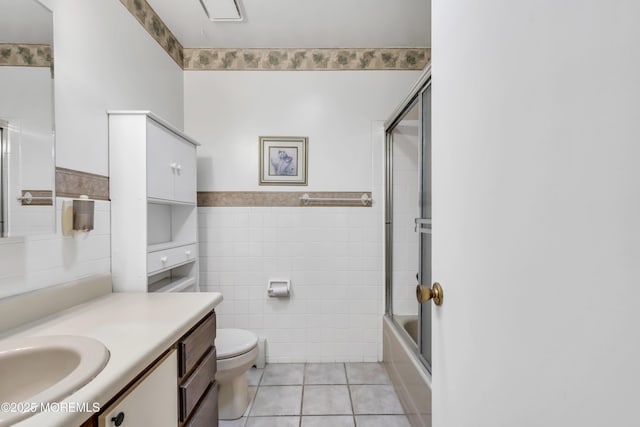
237, 351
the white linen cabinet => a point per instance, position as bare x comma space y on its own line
152, 185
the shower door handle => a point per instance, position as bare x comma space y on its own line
422, 225
424, 293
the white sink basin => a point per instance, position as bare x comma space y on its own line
45, 369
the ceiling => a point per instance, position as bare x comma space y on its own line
303, 24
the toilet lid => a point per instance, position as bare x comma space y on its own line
232, 342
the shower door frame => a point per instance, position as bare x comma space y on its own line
415, 96
4, 178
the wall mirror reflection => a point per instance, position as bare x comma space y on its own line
27, 170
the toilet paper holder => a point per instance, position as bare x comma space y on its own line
279, 288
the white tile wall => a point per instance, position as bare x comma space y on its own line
333, 257
36, 262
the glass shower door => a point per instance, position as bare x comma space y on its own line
405, 178
408, 235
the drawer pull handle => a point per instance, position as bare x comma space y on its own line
179, 168
118, 419
187, 253
173, 166
164, 259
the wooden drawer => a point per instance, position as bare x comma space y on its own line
168, 258
206, 414
196, 344
192, 389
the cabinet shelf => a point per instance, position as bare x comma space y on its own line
167, 245
169, 202
172, 266
172, 284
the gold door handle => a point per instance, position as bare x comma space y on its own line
424, 293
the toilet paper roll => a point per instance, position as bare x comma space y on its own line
279, 289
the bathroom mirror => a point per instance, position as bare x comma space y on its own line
27, 164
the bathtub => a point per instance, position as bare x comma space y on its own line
410, 379
409, 324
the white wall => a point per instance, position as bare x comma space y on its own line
535, 213
103, 60
227, 112
332, 255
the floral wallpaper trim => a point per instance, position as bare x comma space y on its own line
73, 183
306, 59
151, 22
25, 55
277, 198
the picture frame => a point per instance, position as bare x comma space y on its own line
283, 160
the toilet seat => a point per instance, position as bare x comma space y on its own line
234, 342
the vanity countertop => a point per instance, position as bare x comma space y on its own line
136, 328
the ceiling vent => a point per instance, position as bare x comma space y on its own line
222, 10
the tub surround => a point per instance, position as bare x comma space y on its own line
410, 379
137, 328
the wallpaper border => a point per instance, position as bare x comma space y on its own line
306, 59
278, 198
73, 183
25, 55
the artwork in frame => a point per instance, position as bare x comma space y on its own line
283, 160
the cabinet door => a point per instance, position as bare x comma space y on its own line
185, 177
151, 402
161, 164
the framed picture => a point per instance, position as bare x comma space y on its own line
283, 160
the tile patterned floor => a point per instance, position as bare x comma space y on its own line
321, 395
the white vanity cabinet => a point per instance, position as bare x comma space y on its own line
152, 183
151, 401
